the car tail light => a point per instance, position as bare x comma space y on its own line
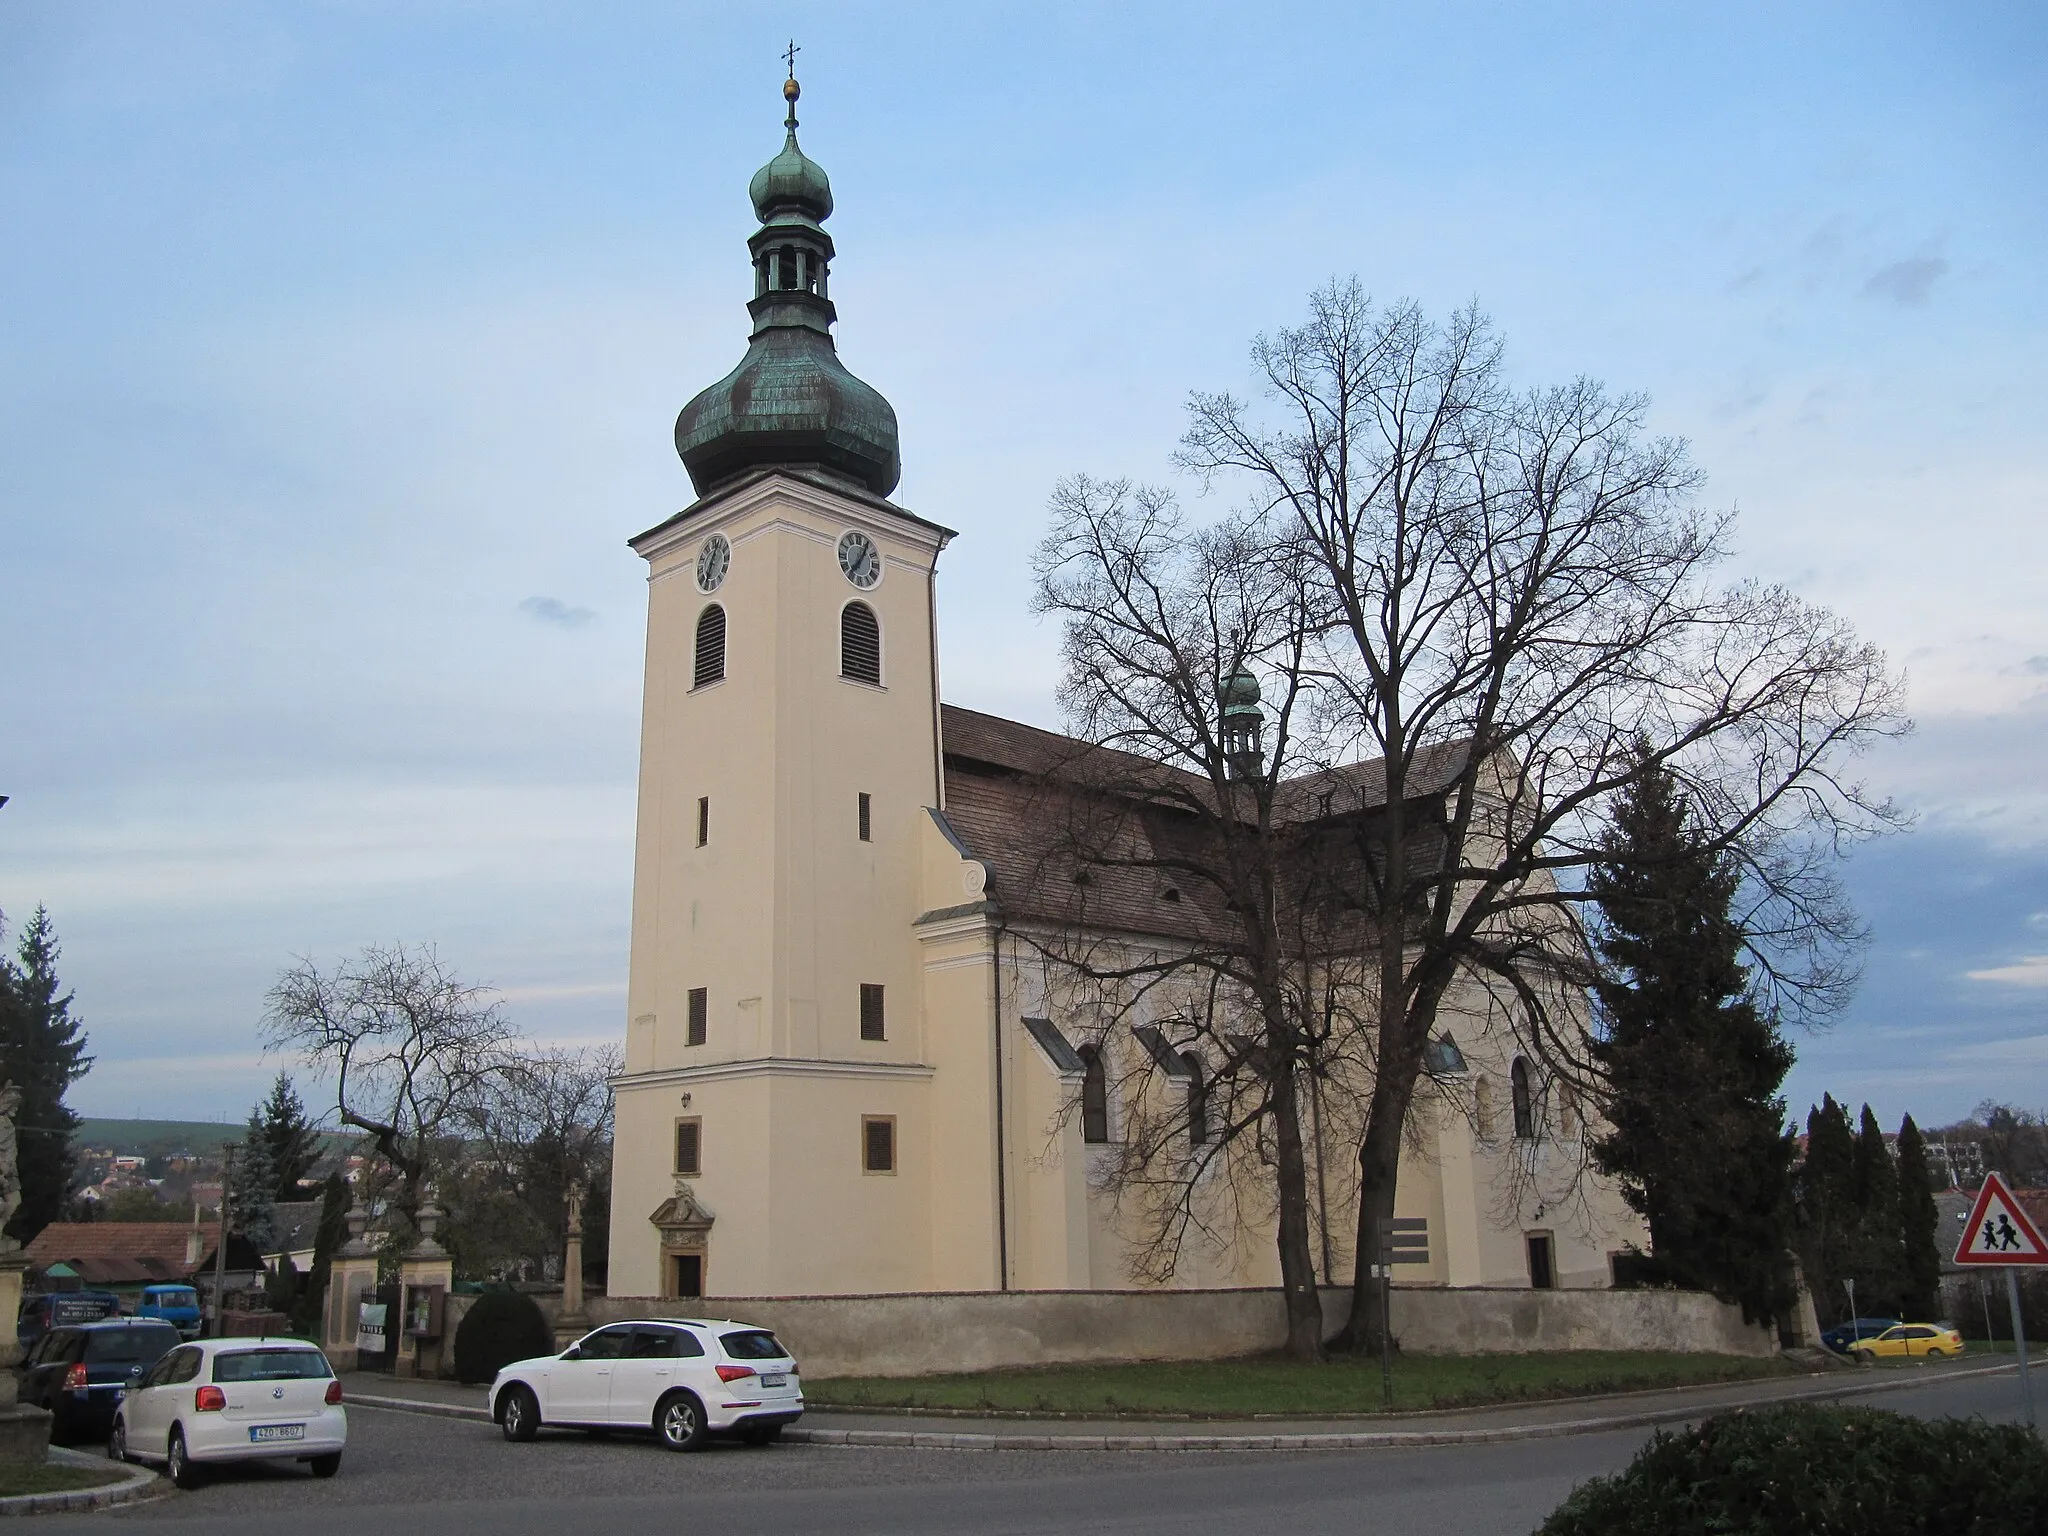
734, 1372
74, 1379
333, 1393
209, 1400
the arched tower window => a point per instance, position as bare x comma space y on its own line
860, 644
1094, 1095
1525, 1104
1482, 1108
1198, 1098
710, 666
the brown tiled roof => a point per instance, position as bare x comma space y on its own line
1082, 835
145, 1242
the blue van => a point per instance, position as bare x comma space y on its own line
61, 1309
177, 1305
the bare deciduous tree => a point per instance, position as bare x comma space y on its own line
541, 1125
1521, 616
411, 1050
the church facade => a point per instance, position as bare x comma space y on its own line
852, 1063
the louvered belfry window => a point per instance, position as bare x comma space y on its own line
710, 646
860, 644
871, 1022
700, 1016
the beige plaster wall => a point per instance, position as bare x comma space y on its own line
921, 1335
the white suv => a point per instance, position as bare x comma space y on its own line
682, 1377
233, 1400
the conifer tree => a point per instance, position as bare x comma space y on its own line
1827, 1205
1880, 1249
1697, 1130
252, 1197
1918, 1221
292, 1140
42, 1053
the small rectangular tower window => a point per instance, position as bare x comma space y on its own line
867, 825
703, 820
871, 1011
690, 1146
700, 1016
878, 1143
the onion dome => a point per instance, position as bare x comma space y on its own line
790, 402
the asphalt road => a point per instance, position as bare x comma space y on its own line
408, 1473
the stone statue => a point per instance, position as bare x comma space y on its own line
10, 1162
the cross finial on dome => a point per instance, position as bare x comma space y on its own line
790, 89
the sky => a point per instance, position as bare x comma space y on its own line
340, 347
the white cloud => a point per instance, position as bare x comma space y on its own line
2030, 972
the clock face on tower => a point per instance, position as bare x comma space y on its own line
859, 559
713, 560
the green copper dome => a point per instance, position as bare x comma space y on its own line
790, 401
791, 181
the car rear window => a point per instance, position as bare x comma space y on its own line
173, 1298
133, 1346
270, 1365
753, 1344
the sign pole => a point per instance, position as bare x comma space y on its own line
1387, 1329
2019, 1340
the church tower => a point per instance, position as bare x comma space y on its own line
773, 1117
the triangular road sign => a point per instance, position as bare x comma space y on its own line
1998, 1231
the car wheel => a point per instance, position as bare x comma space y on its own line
183, 1470
1863, 1357
679, 1420
117, 1442
766, 1434
1937, 1354
328, 1465
519, 1413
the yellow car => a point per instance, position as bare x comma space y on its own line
1917, 1341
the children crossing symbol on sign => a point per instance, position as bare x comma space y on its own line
1999, 1231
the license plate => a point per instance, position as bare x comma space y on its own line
775, 1379
277, 1432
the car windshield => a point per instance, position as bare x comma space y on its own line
129, 1346
270, 1365
754, 1344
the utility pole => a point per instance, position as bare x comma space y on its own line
220, 1246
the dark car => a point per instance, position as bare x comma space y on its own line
59, 1309
1843, 1336
79, 1373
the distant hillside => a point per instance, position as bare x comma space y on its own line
147, 1138
142, 1138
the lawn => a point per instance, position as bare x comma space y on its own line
49, 1477
1270, 1385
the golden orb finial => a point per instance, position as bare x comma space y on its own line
791, 90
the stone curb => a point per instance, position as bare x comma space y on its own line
141, 1483
1357, 1440
419, 1405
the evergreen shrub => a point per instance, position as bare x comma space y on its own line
500, 1327
1820, 1471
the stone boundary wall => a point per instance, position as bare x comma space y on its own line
915, 1335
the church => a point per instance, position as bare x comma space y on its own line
851, 1067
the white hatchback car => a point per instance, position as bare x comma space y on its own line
682, 1377
233, 1400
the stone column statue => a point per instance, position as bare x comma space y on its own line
24, 1431
10, 1163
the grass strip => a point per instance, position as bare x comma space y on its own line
48, 1477
1273, 1385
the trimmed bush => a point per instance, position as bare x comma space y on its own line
1819, 1471
500, 1327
